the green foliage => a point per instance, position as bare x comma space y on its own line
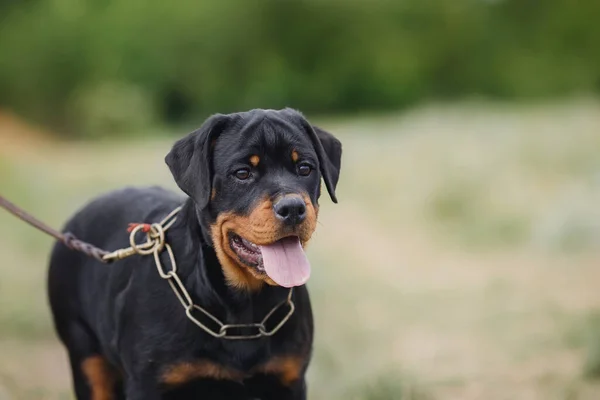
111, 109
193, 58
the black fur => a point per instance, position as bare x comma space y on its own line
127, 314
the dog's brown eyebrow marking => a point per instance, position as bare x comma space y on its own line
287, 368
100, 377
183, 372
213, 194
294, 156
254, 160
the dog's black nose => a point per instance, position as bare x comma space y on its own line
290, 209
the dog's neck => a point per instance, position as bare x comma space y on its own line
203, 275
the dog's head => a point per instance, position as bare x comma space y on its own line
256, 177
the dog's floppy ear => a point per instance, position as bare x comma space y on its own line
190, 159
329, 151
328, 148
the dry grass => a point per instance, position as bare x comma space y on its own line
461, 262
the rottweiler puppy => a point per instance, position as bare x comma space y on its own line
253, 181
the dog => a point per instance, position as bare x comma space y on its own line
252, 181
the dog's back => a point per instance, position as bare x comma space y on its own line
102, 222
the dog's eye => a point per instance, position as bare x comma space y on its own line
304, 169
242, 174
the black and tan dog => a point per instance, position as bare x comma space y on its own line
253, 184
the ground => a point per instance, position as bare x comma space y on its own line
460, 263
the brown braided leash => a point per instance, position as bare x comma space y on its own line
67, 238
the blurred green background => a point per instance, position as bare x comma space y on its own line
462, 261
100, 67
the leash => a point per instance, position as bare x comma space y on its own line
68, 239
155, 244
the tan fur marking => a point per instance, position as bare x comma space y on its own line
295, 156
260, 227
100, 377
260, 224
213, 194
184, 372
254, 160
287, 368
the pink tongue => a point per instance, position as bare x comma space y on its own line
285, 262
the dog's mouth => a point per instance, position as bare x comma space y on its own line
248, 252
283, 261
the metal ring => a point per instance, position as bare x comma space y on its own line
258, 326
158, 232
140, 248
277, 327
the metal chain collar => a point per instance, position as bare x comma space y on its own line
155, 244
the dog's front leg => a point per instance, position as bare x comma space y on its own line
140, 390
207, 389
296, 391
271, 388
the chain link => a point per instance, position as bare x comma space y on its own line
155, 244
288, 301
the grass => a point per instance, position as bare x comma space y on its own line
591, 336
461, 261
386, 387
